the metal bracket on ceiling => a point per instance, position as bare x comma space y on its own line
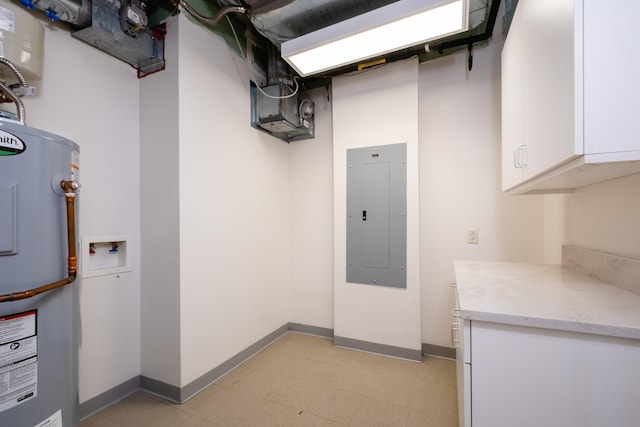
144, 52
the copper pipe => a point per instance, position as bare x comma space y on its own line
35, 291
70, 188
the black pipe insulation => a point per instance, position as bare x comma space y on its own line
471, 40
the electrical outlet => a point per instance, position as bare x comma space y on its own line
472, 236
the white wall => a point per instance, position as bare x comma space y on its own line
377, 107
234, 210
459, 137
160, 218
554, 227
216, 244
311, 226
460, 182
605, 216
92, 99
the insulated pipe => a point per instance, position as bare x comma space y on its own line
215, 18
70, 189
469, 41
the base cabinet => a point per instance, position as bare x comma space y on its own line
522, 376
463, 372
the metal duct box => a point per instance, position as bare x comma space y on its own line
144, 51
276, 113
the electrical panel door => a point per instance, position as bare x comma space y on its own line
376, 215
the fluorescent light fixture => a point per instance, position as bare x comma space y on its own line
399, 25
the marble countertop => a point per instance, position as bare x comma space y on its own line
545, 296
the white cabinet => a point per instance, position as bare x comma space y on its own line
523, 376
463, 372
460, 338
548, 346
569, 94
511, 375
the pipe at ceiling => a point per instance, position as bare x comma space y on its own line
211, 20
471, 40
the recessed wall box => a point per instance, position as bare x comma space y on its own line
376, 215
102, 255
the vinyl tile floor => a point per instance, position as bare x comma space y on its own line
303, 380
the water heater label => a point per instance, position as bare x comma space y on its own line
54, 420
7, 19
18, 359
10, 144
75, 165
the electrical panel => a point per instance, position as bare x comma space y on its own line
376, 215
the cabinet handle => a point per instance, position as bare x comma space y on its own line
520, 156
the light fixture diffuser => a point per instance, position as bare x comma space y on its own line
399, 25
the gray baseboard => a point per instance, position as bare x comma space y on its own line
438, 351
311, 330
181, 395
174, 393
210, 377
161, 389
110, 396
383, 349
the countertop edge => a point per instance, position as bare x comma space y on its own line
545, 296
552, 324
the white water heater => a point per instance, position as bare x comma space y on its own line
39, 298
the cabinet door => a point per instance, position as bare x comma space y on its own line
539, 90
611, 78
513, 166
538, 377
549, 83
463, 376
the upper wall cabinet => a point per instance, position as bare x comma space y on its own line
570, 94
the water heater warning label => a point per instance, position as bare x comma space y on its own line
18, 359
7, 20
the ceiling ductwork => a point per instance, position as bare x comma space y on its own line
133, 31
283, 20
280, 23
120, 28
258, 29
